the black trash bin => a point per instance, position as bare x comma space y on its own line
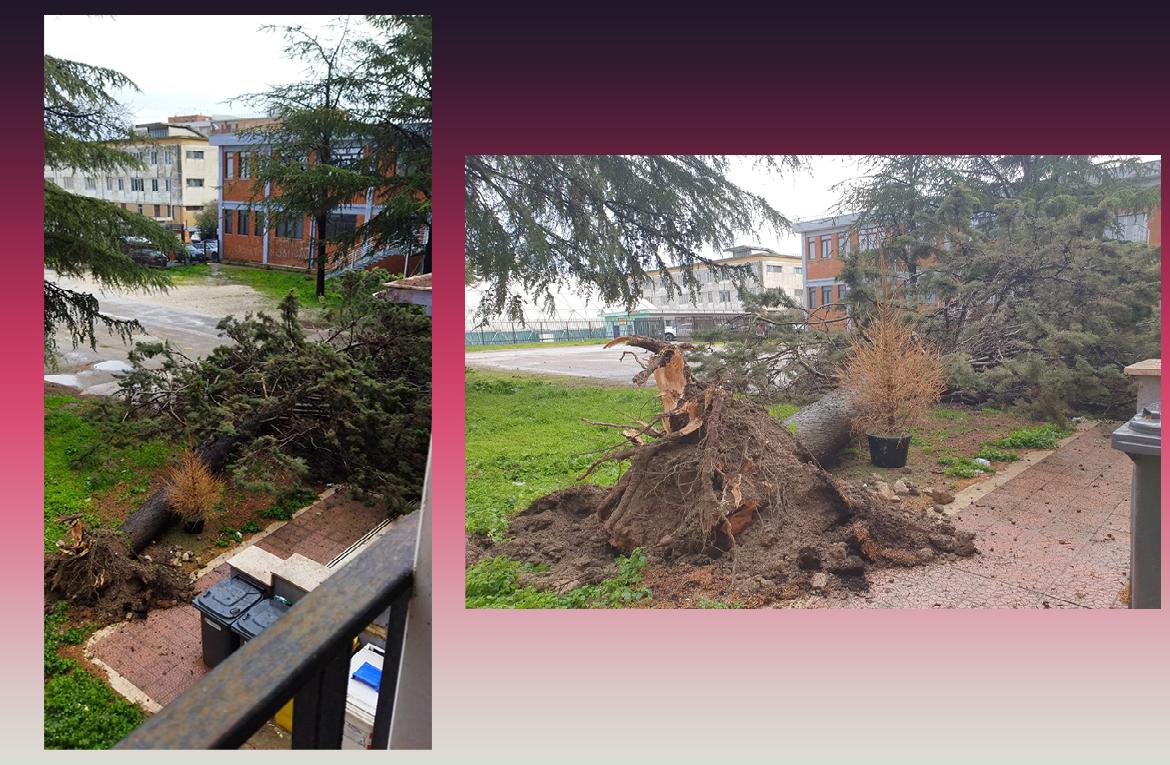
259, 618
221, 605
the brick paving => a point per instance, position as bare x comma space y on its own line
162, 655
1055, 536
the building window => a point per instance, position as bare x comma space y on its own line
154, 184
167, 184
869, 239
812, 248
1133, 228
245, 164
339, 224
242, 221
827, 246
140, 209
812, 297
158, 211
840, 292
91, 183
137, 184
230, 166
168, 210
294, 228
157, 132
154, 158
261, 221
109, 184
826, 295
775, 269
797, 270
121, 184
227, 222
194, 155
724, 296
844, 242
194, 183
169, 157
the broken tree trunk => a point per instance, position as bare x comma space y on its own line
823, 427
146, 523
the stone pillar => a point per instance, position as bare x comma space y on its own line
1148, 375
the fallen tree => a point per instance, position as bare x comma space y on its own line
715, 481
823, 427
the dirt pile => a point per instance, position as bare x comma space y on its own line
719, 483
96, 570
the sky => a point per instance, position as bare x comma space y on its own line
183, 64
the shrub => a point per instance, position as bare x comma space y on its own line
997, 455
1039, 437
892, 378
193, 489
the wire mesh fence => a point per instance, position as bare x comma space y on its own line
509, 333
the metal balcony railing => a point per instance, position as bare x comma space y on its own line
303, 656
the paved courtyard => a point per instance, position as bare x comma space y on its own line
160, 657
571, 360
1055, 536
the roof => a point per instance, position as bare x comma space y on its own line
420, 282
831, 221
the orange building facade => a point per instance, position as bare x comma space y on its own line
246, 236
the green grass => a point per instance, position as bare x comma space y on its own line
287, 503
495, 583
952, 415
526, 438
81, 459
783, 411
997, 455
598, 341
272, 283
1045, 436
963, 467
81, 712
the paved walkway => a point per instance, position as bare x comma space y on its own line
161, 656
1055, 536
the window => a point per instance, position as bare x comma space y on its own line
724, 296
826, 295
158, 211
339, 224
242, 220
91, 183
194, 183
154, 158
167, 211
840, 292
844, 242
797, 270
812, 248
121, 184
230, 171
261, 223
154, 184
169, 157
827, 246
157, 132
194, 155
294, 228
346, 156
167, 184
227, 222
137, 184
870, 239
109, 184
245, 164
812, 297
140, 209
775, 269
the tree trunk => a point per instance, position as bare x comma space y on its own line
823, 427
147, 522
321, 221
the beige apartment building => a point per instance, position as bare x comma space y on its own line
177, 181
718, 293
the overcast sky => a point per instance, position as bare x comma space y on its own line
183, 64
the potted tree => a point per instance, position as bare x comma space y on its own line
892, 379
193, 491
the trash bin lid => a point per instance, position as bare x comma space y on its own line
228, 600
259, 618
1142, 434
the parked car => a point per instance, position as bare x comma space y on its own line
152, 258
192, 253
669, 333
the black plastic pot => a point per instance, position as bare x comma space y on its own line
193, 527
888, 451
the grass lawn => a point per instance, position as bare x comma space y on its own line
598, 341
525, 438
273, 283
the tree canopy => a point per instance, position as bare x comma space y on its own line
602, 222
85, 128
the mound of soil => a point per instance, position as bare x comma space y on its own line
727, 486
101, 575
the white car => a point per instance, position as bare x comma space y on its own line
669, 333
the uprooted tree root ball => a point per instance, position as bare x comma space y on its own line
717, 482
97, 570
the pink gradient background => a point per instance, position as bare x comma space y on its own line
713, 685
